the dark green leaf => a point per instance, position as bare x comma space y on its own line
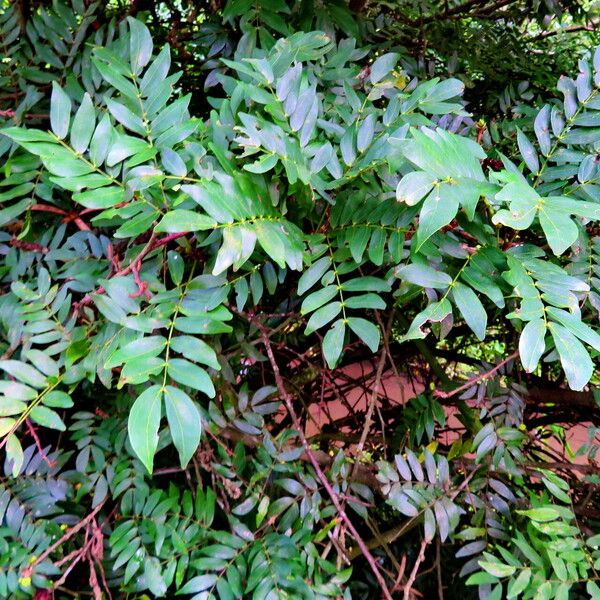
143, 423
184, 423
60, 111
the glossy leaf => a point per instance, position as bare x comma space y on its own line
143, 423
184, 423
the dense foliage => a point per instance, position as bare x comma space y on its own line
299, 300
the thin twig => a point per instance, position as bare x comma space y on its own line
9, 113
438, 564
400, 576
151, 245
372, 403
38, 445
67, 535
87, 299
592, 25
474, 380
415, 570
322, 477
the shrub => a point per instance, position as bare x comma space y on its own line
186, 288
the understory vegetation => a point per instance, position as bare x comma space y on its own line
299, 300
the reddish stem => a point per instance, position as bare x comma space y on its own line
49, 208
36, 439
152, 244
167, 239
68, 216
13, 113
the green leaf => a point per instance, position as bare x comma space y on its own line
366, 284
101, 140
14, 453
532, 344
11, 406
383, 66
424, 276
436, 312
518, 585
140, 45
180, 220
189, 374
205, 326
24, 372
139, 370
445, 89
414, 186
437, 211
333, 343
176, 266
104, 197
574, 206
481, 578
6, 425
429, 524
470, 308
10, 213
184, 423
198, 584
22, 135
143, 347
143, 424
157, 71
528, 152
322, 316
372, 301
574, 358
264, 164
57, 399
556, 491
593, 590
44, 363
542, 129
365, 133
368, 332
195, 350
318, 298
170, 116
575, 326
560, 230
17, 391
542, 514
313, 274
60, 111
47, 417
83, 125
497, 569
271, 241
153, 576
124, 116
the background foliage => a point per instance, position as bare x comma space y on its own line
234, 235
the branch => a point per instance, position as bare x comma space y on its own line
590, 26
28, 246
68, 535
67, 216
322, 477
38, 445
9, 114
151, 245
360, 474
415, 570
474, 380
374, 394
